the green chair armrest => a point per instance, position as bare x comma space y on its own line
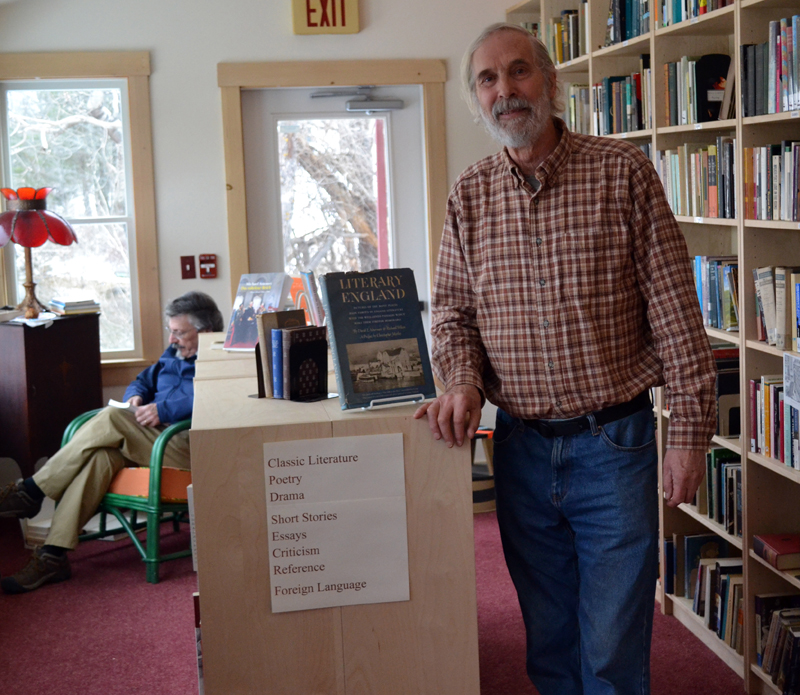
157, 457
76, 424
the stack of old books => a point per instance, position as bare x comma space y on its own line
67, 307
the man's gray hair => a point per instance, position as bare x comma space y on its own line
541, 59
200, 309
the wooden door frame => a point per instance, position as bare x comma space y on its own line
235, 77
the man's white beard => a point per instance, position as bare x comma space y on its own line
521, 132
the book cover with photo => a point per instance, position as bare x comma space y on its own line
257, 293
377, 337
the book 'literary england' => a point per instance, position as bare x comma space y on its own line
376, 336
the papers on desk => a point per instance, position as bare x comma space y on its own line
45, 319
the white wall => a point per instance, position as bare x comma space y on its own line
186, 40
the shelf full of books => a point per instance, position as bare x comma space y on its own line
710, 89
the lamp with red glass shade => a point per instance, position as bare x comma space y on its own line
28, 223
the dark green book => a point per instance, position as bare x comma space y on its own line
377, 338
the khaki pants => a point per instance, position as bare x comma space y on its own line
80, 473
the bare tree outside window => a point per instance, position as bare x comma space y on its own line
73, 140
332, 203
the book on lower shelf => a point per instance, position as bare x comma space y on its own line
781, 550
766, 604
377, 337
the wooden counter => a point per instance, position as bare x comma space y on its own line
425, 646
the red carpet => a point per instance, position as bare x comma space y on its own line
108, 632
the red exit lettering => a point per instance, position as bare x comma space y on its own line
327, 11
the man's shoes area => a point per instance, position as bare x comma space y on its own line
16, 502
43, 568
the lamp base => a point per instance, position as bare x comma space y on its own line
30, 305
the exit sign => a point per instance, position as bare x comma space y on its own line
325, 16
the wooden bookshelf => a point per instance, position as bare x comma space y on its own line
771, 490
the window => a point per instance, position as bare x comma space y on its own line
334, 204
82, 122
74, 137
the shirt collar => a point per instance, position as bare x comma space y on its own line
548, 171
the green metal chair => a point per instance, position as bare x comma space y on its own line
154, 508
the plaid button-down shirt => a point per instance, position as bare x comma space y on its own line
578, 296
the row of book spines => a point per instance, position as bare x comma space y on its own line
285, 370
772, 181
777, 623
777, 304
579, 111
568, 33
717, 286
699, 181
774, 424
675, 11
622, 104
771, 70
712, 580
627, 20
719, 497
682, 100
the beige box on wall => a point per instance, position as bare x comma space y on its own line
325, 16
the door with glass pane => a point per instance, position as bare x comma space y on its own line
329, 190
72, 136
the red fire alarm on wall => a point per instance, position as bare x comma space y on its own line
208, 265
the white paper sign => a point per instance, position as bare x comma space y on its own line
336, 518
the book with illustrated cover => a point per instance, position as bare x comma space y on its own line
377, 337
257, 293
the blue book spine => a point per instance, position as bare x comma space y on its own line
277, 363
712, 294
698, 279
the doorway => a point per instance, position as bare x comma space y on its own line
330, 190
236, 78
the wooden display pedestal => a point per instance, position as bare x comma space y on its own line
423, 646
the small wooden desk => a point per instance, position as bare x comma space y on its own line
48, 377
425, 646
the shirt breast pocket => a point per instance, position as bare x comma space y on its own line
597, 256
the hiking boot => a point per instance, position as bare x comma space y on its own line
16, 502
43, 568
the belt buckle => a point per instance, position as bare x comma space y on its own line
545, 429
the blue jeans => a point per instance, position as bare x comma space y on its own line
578, 517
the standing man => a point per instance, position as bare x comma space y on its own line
79, 474
563, 293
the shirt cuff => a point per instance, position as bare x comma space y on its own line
465, 377
687, 435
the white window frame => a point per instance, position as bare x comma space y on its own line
128, 219
133, 68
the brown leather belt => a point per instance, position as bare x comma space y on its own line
576, 425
